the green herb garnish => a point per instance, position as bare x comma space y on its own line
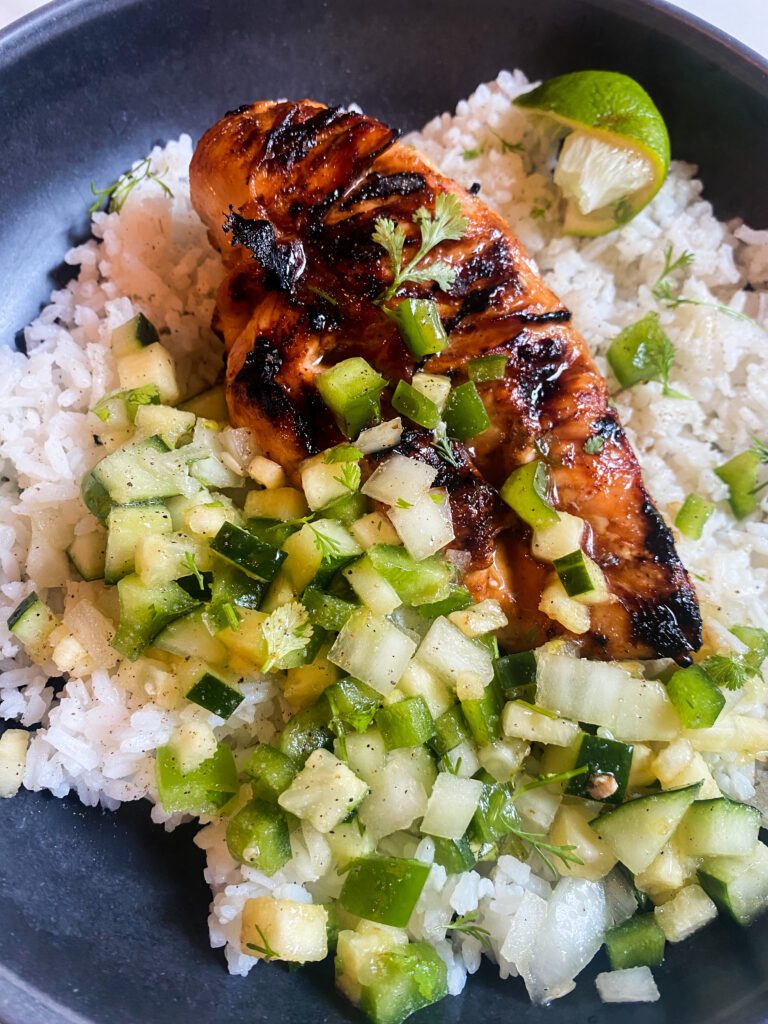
593, 444
402, 503
191, 564
350, 476
442, 445
465, 924
445, 224
286, 630
668, 294
327, 546
267, 952
116, 194
342, 453
473, 154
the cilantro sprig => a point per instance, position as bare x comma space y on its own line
445, 224
466, 925
286, 631
732, 672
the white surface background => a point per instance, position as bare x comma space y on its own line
745, 19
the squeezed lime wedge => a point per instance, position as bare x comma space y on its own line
616, 153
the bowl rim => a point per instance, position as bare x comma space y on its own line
20, 1002
58, 17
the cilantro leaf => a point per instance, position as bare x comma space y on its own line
286, 630
446, 223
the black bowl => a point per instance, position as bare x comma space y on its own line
103, 917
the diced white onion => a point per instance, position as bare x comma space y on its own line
378, 438
373, 650
633, 985
447, 652
399, 478
453, 802
427, 526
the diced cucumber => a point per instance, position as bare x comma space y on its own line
244, 551
416, 583
138, 472
95, 497
189, 637
458, 598
215, 695
152, 364
258, 836
271, 771
232, 585
347, 509
738, 885
636, 831
32, 623
133, 335
451, 806
119, 411
638, 942
384, 889
127, 525
718, 828
211, 470
210, 404
87, 553
204, 790
172, 425
366, 753
373, 650
407, 723
608, 766
324, 792
483, 715
145, 612
348, 841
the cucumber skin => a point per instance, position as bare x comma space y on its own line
21, 610
717, 814
638, 942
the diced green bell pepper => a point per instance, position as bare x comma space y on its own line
451, 729
416, 583
526, 492
486, 368
697, 700
384, 889
457, 600
464, 413
258, 836
403, 980
271, 772
326, 610
351, 389
203, 790
420, 328
416, 406
455, 855
693, 514
739, 474
408, 723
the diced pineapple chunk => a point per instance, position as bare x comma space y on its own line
284, 503
479, 618
356, 952
150, 365
374, 529
284, 930
324, 792
571, 828
557, 605
192, 742
322, 482
666, 873
559, 539
266, 472
13, 760
671, 760
303, 685
689, 911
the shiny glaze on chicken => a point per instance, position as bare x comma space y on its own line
290, 193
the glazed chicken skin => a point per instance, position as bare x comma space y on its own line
290, 193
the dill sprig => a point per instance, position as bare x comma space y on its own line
267, 952
538, 842
465, 925
116, 194
551, 779
666, 292
442, 445
445, 224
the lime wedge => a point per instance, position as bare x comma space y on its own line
616, 154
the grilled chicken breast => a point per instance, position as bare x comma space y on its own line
290, 193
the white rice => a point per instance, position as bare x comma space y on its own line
98, 734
